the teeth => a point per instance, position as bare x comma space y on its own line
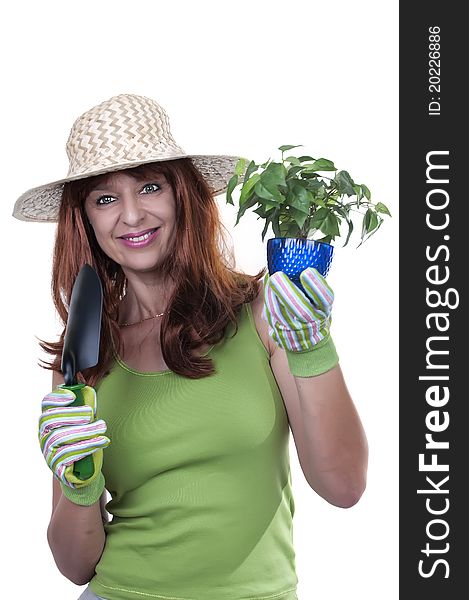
141, 238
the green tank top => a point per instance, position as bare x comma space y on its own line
199, 476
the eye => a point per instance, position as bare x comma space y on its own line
151, 188
106, 199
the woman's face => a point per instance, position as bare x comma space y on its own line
133, 220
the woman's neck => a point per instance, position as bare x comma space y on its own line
144, 299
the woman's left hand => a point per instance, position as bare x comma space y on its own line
300, 324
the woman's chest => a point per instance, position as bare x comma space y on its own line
144, 353
163, 423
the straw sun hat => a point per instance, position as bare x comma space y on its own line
120, 133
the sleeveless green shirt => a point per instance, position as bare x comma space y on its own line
199, 475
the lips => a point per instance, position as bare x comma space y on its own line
140, 241
137, 233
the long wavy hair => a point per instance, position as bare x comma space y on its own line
208, 291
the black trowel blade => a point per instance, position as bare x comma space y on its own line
83, 330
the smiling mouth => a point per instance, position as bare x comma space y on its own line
140, 238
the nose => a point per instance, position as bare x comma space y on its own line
132, 211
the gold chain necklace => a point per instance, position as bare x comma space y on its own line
146, 319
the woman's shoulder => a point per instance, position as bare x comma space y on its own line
257, 306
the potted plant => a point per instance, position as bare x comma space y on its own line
306, 209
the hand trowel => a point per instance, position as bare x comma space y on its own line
81, 343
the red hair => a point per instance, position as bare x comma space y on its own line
208, 292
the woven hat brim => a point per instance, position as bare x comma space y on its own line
41, 204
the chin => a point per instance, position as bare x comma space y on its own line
142, 266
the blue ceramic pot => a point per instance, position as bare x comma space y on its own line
294, 255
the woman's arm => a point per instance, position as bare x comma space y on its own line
332, 443
328, 434
76, 533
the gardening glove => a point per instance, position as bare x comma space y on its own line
300, 324
69, 433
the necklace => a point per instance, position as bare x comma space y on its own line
146, 319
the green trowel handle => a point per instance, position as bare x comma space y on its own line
83, 468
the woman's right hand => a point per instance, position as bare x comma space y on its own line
68, 434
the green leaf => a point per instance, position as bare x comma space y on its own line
249, 203
358, 192
331, 226
306, 158
322, 164
366, 191
266, 226
240, 166
332, 200
344, 211
293, 160
317, 201
276, 226
366, 221
232, 183
251, 168
373, 224
271, 183
325, 221
318, 192
309, 174
278, 198
299, 197
288, 147
274, 175
248, 187
267, 194
370, 222
350, 229
293, 172
289, 229
383, 209
344, 183
315, 185
298, 216
365, 237
264, 211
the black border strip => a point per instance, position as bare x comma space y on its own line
434, 424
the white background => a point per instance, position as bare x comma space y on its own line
236, 78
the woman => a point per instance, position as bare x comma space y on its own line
200, 375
